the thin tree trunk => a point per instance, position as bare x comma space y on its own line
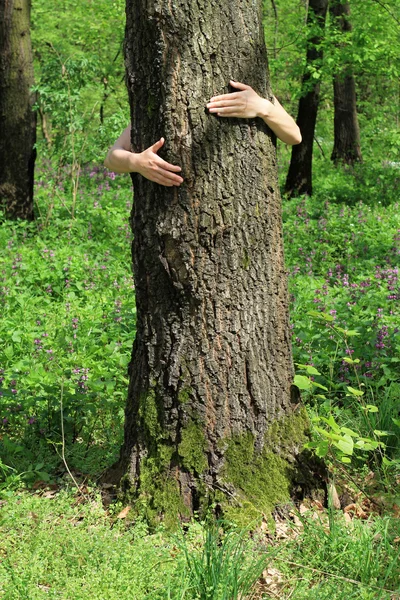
299, 177
346, 148
210, 409
17, 119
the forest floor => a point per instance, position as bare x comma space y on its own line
68, 320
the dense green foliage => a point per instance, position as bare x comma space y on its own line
68, 321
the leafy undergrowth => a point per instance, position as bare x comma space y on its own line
343, 266
62, 545
68, 321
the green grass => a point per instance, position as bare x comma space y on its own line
63, 547
68, 309
68, 321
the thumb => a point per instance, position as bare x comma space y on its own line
155, 147
239, 86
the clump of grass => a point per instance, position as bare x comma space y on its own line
225, 567
343, 561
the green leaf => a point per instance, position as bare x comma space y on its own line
349, 432
319, 385
9, 352
372, 408
331, 421
345, 459
380, 433
346, 444
321, 315
354, 392
322, 449
312, 370
302, 382
350, 361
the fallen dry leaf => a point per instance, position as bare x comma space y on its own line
282, 530
33, 516
355, 510
272, 579
347, 517
124, 512
318, 505
334, 496
296, 520
303, 509
49, 494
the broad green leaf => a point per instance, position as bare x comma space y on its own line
331, 421
319, 385
312, 370
346, 444
354, 392
372, 408
349, 432
9, 352
322, 449
302, 382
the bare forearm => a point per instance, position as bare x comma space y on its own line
121, 161
281, 123
151, 166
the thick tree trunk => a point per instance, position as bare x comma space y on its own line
17, 120
209, 409
299, 177
346, 148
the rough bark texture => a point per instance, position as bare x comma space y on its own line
346, 148
211, 367
299, 177
17, 120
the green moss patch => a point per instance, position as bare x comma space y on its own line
263, 480
192, 448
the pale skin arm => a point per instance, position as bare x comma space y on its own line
120, 159
247, 104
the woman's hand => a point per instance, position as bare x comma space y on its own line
153, 167
246, 104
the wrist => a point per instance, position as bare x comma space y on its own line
265, 108
134, 162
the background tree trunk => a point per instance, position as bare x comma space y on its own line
299, 177
346, 148
17, 120
209, 409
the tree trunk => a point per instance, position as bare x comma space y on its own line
210, 414
299, 178
346, 148
17, 119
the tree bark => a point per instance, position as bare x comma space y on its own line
346, 148
17, 119
299, 177
210, 408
